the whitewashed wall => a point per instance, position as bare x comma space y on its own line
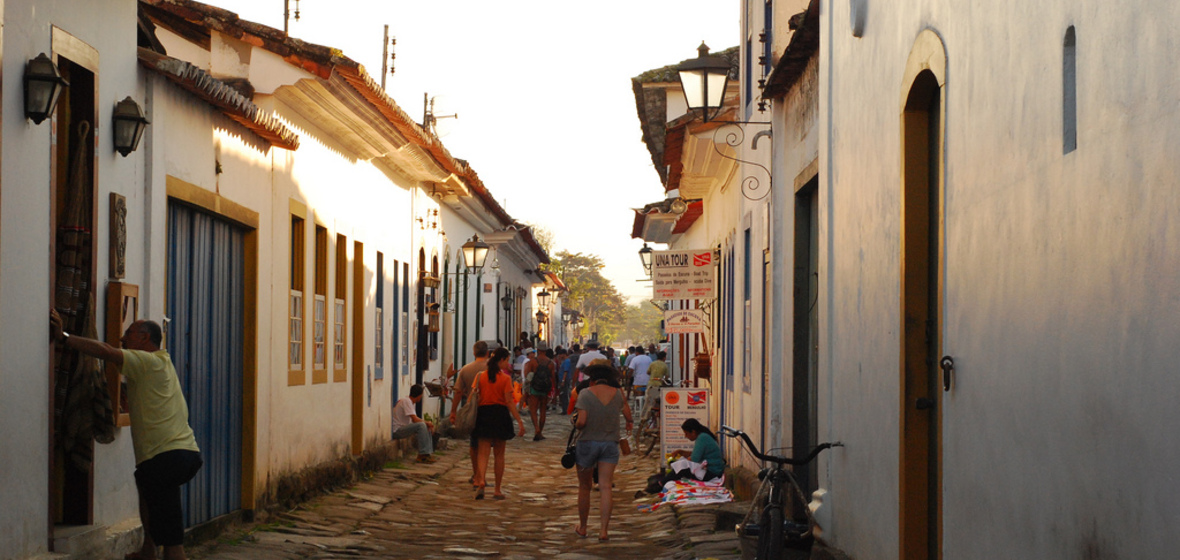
25, 394
1060, 287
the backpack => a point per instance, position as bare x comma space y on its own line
542, 378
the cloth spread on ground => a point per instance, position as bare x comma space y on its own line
692, 492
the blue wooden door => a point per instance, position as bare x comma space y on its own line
204, 337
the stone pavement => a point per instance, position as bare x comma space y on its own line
429, 511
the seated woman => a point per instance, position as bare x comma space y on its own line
704, 449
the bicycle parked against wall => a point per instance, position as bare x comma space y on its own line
778, 489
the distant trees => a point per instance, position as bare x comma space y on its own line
591, 294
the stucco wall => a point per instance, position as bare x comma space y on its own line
1059, 292
25, 394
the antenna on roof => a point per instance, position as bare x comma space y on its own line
429, 119
387, 56
287, 14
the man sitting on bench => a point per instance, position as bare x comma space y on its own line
406, 423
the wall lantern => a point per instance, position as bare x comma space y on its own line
540, 318
645, 258
130, 122
43, 87
506, 302
703, 80
475, 252
543, 297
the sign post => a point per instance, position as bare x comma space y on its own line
676, 406
683, 274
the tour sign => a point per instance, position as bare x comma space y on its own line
683, 274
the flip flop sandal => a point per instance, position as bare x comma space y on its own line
579, 533
479, 494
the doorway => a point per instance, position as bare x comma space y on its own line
805, 368
921, 248
73, 218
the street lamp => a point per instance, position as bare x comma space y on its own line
703, 80
506, 302
129, 125
474, 253
543, 297
645, 258
43, 87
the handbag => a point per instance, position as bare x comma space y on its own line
465, 417
568, 459
624, 446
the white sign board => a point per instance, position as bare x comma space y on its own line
684, 321
678, 405
683, 274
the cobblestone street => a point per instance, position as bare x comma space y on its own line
429, 511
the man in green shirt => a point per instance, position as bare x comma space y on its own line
166, 453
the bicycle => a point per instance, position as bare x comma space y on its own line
774, 531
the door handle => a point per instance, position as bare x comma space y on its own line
947, 364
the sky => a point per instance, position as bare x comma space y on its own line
542, 89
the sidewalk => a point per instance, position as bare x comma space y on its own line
429, 511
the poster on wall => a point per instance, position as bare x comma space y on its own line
684, 321
683, 274
679, 405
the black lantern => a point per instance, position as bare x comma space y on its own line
703, 80
130, 122
43, 86
475, 252
645, 258
506, 302
543, 297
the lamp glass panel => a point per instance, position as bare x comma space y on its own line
693, 82
126, 133
717, 83
481, 254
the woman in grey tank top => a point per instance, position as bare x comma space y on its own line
598, 411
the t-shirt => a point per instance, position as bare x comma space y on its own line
639, 365
656, 373
403, 413
493, 393
585, 359
602, 420
706, 449
159, 413
567, 367
467, 375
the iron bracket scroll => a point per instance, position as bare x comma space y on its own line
734, 135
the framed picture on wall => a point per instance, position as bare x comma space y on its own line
122, 311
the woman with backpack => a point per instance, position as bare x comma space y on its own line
493, 420
540, 376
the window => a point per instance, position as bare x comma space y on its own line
748, 75
395, 342
319, 316
1069, 105
378, 330
405, 318
338, 314
747, 311
295, 311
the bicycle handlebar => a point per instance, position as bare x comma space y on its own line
727, 431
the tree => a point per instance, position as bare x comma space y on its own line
642, 325
543, 236
591, 294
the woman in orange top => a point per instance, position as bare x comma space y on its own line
493, 426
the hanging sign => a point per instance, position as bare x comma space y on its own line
683, 274
684, 321
678, 405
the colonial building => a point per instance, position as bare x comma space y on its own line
298, 235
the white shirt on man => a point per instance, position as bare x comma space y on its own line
403, 413
585, 359
639, 365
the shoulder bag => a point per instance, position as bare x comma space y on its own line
465, 416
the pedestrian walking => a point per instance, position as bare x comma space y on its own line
565, 378
463, 385
493, 425
539, 381
599, 406
166, 452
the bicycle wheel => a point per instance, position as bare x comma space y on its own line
770, 534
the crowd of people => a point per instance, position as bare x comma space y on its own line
591, 384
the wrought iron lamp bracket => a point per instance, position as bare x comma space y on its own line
734, 135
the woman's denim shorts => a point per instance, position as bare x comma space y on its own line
590, 453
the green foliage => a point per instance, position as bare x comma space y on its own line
591, 294
642, 325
